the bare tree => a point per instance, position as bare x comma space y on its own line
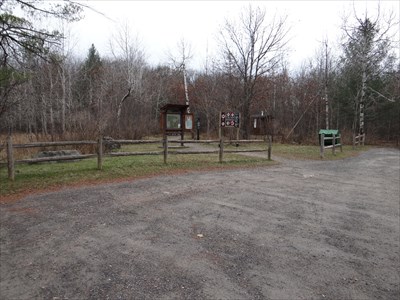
206, 88
180, 64
127, 51
65, 54
367, 49
326, 86
253, 49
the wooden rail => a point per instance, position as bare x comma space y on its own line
9, 146
358, 140
53, 144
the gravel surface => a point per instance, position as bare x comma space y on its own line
299, 230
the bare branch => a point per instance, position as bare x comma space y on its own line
379, 94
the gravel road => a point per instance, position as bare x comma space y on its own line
298, 230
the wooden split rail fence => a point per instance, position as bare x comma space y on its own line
336, 142
100, 153
358, 140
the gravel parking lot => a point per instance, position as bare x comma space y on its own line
298, 230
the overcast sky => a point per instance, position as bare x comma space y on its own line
160, 25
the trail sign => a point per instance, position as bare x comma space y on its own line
230, 119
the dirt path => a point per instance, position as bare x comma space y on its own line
301, 230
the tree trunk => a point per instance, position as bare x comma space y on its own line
208, 126
51, 123
44, 117
119, 110
354, 126
326, 88
186, 87
63, 98
362, 98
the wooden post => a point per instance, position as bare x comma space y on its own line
354, 141
322, 143
363, 139
334, 144
100, 153
182, 138
165, 144
269, 139
10, 159
221, 150
341, 143
221, 139
237, 137
219, 126
238, 132
182, 128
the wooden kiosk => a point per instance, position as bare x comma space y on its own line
175, 120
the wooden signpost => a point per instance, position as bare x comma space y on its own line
227, 120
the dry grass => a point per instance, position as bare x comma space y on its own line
37, 177
31, 178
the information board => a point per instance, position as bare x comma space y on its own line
230, 119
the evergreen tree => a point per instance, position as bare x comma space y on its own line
88, 78
366, 60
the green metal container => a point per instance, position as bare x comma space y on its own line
329, 133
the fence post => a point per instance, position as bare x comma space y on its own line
100, 153
269, 139
221, 149
10, 158
363, 139
237, 134
322, 145
165, 144
333, 144
219, 126
340, 142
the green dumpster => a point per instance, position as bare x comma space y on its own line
329, 133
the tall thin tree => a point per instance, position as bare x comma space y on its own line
253, 48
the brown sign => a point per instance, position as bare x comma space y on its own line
230, 119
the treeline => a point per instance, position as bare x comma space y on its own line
121, 95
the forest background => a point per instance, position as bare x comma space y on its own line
47, 92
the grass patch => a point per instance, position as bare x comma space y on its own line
244, 146
299, 152
37, 177
140, 148
304, 152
